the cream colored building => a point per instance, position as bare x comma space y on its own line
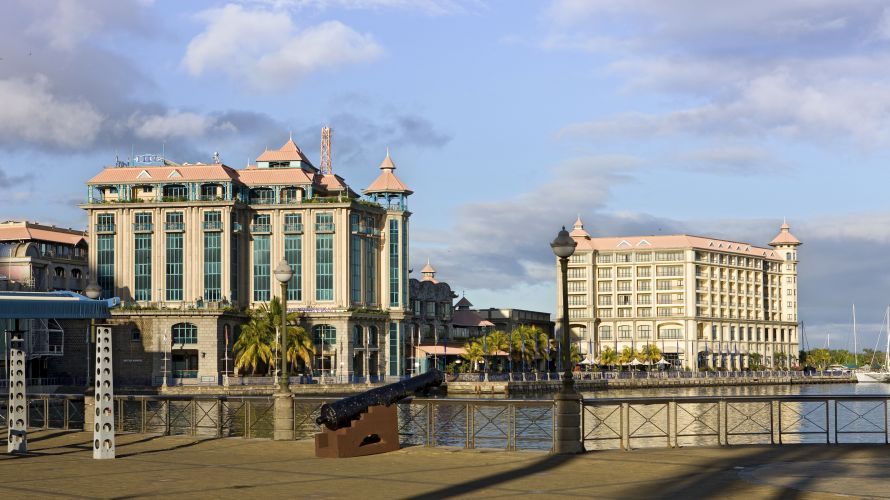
704, 302
180, 240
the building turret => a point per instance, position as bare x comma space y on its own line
387, 189
578, 230
428, 272
786, 245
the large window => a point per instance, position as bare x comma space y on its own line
174, 266
325, 337
262, 196
624, 332
142, 271
605, 332
670, 333
324, 259
175, 192
293, 253
212, 265
261, 268
105, 262
184, 333
233, 275
393, 262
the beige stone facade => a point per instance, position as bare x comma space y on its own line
704, 302
196, 243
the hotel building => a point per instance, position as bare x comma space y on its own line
705, 302
187, 247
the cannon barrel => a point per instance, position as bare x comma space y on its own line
339, 413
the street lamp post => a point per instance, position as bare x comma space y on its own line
568, 402
92, 291
283, 274
284, 406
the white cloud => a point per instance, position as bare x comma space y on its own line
177, 124
773, 104
265, 48
32, 113
430, 7
66, 24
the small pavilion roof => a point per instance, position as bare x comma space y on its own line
289, 152
785, 237
387, 181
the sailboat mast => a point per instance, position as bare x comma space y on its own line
855, 347
887, 349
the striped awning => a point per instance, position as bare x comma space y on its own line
52, 305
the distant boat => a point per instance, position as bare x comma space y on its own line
868, 375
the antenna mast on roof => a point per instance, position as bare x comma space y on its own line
325, 164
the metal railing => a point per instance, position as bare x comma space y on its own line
629, 423
212, 225
174, 226
657, 374
294, 227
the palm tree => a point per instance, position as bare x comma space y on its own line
523, 343
254, 346
473, 354
299, 347
650, 354
497, 341
627, 355
608, 357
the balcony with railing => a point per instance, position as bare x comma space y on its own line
105, 228
324, 227
143, 227
295, 227
174, 226
260, 228
212, 225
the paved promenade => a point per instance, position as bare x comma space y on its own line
61, 466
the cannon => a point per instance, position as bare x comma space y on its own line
340, 413
366, 423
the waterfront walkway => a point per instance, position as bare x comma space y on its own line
61, 465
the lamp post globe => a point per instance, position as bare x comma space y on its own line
283, 274
92, 291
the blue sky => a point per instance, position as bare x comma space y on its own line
507, 118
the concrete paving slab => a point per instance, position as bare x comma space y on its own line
60, 465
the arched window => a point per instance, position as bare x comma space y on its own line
357, 338
184, 333
76, 273
60, 272
605, 332
324, 336
372, 336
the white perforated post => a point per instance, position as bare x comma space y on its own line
103, 431
17, 416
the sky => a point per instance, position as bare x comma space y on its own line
507, 118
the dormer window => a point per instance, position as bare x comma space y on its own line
279, 164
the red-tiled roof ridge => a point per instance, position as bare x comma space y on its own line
387, 182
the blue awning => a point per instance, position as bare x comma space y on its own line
52, 305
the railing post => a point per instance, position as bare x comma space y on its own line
471, 428
46, 412
772, 439
672, 411
430, 419
722, 423
625, 426
143, 404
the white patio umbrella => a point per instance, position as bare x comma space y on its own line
586, 361
663, 362
635, 362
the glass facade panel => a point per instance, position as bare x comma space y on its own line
212, 265
105, 262
173, 279
370, 271
356, 266
394, 349
293, 253
393, 262
261, 268
324, 267
233, 276
142, 271
324, 337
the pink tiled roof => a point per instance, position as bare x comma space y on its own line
387, 182
263, 176
112, 175
578, 230
463, 302
24, 233
674, 241
289, 152
333, 182
428, 268
785, 237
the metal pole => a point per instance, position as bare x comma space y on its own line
567, 382
284, 382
